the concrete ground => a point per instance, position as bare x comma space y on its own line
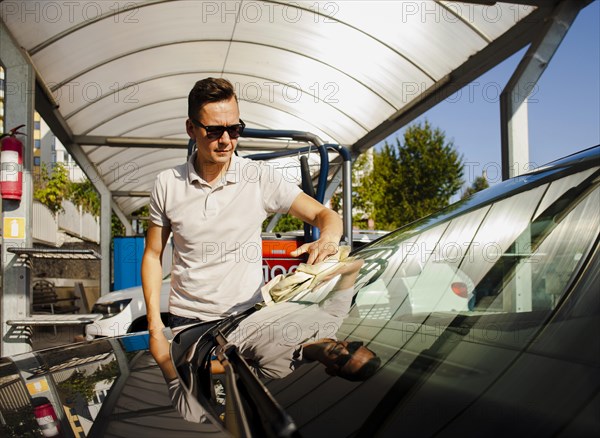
45, 337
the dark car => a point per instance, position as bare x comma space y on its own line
519, 356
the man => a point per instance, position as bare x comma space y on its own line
214, 205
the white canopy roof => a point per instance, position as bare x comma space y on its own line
350, 72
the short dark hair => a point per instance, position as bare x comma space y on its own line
207, 91
363, 373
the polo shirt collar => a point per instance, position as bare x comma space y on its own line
231, 176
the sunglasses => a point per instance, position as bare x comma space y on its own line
341, 359
216, 132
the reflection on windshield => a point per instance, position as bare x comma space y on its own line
66, 387
515, 255
282, 337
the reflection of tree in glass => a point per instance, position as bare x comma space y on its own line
19, 423
80, 384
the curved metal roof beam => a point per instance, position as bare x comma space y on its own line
173, 135
114, 58
113, 157
120, 89
126, 176
146, 177
383, 43
126, 7
143, 125
148, 158
129, 84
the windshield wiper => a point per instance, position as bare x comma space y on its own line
250, 409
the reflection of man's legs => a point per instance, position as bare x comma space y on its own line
187, 406
182, 400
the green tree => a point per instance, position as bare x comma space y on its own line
142, 214
51, 188
479, 184
81, 384
84, 195
411, 180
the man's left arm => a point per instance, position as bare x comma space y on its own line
329, 223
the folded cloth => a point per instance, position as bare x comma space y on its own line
284, 287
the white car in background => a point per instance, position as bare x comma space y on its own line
124, 311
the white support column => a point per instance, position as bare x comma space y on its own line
513, 100
17, 214
105, 240
105, 213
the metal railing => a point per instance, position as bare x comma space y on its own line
50, 229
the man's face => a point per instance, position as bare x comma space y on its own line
338, 355
215, 151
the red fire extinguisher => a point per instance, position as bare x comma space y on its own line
11, 159
46, 417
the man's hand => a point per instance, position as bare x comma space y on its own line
329, 223
319, 250
160, 350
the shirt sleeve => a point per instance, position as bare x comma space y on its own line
279, 190
157, 203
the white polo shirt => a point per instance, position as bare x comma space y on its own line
217, 253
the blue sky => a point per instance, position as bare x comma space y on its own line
563, 116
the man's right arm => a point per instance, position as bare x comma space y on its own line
156, 240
